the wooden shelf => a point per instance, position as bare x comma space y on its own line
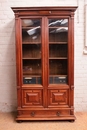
55, 58
58, 75
31, 27
31, 75
40, 42
31, 42
38, 58
58, 42
58, 27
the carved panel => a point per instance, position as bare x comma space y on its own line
58, 98
31, 98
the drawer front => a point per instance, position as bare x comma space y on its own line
32, 98
44, 113
58, 98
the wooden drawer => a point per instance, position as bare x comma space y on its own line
44, 113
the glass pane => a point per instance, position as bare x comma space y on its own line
30, 22
58, 22
58, 51
31, 30
31, 51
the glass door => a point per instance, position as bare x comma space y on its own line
58, 51
31, 51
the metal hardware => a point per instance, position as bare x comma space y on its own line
49, 12
72, 87
32, 113
58, 113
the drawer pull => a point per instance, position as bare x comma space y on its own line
49, 12
58, 113
32, 113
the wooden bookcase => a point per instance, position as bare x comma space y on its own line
45, 63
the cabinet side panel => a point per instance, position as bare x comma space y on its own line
18, 61
72, 63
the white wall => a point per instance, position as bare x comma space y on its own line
8, 99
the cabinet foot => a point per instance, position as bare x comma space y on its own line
19, 121
71, 121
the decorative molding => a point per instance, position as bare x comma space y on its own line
72, 15
16, 14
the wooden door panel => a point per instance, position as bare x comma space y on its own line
58, 98
31, 98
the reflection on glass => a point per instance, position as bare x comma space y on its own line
58, 48
31, 31
59, 29
34, 37
58, 22
31, 51
30, 22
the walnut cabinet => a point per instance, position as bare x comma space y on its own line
45, 62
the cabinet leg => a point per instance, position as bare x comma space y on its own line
71, 121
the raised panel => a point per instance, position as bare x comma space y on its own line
31, 98
58, 98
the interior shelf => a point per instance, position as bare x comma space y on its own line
55, 58
58, 42
58, 27
57, 75
40, 42
31, 58
31, 42
33, 27
28, 75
